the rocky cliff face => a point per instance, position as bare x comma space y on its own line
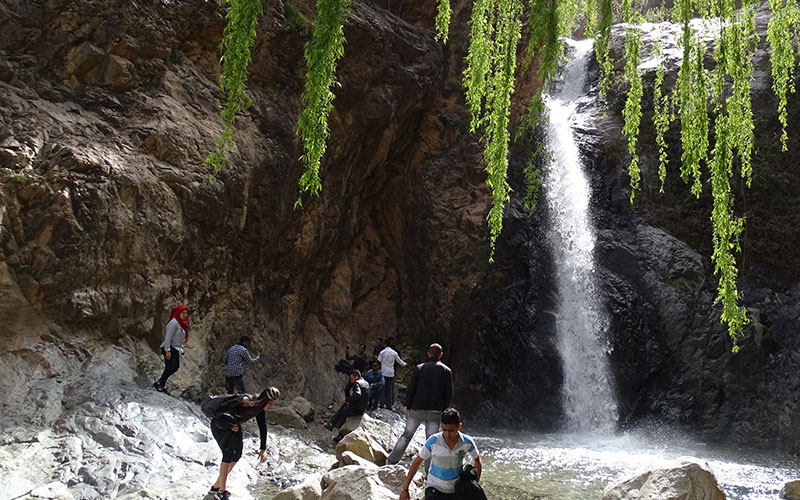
108, 218
107, 111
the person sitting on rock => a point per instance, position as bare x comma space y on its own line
374, 378
234, 364
356, 398
227, 431
176, 334
446, 450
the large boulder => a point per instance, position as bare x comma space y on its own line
304, 408
287, 416
354, 482
310, 489
791, 490
361, 443
685, 479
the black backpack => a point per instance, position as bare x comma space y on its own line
211, 404
467, 485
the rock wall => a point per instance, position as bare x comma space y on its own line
108, 219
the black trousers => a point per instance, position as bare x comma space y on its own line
235, 384
229, 442
341, 415
434, 494
170, 365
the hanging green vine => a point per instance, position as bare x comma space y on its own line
443, 14
661, 116
322, 55
238, 37
495, 28
632, 112
784, 21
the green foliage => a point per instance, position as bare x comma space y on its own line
322, 55
443, 14
784, 21
491, 63
20, 178
661, 117
531, 150
238, 37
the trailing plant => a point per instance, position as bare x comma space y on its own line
495, 29
238, 37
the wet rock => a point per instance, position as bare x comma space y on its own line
791, 490
52, 491
687, 479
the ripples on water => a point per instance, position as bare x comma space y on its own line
579, 466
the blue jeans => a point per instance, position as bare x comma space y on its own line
431, 418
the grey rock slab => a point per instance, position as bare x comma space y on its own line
684, 479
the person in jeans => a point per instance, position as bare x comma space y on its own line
176, 334
446, 451
374, 378
429, 393
226, 427
234, 365
388, 357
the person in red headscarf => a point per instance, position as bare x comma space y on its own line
175, 336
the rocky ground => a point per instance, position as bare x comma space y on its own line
112, 436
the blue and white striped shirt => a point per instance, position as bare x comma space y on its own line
445, 462
234, 360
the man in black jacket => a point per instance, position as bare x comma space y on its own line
356, 398
429, 393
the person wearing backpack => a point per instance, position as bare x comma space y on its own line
226, 428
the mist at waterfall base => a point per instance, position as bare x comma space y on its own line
580, 462
578, 466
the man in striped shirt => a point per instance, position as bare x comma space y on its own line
446, 450
234, 365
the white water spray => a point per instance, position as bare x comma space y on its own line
588, 393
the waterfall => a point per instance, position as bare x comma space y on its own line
588, 394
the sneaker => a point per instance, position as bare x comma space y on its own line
222, 495
157, 387
213, 490
337, 438
329, 426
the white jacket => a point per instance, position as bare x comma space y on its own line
388, 357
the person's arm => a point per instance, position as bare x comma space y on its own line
251, 359
261, 419
397, 357
356, 394
382, 381
169, 331
412, 471
478, 466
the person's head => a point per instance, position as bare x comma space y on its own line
389, 342
266, 399
376, 365
379, 342
435, 351
244, 340
362, 348
355, 375
185, 314
451, 423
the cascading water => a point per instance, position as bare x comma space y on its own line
588, 393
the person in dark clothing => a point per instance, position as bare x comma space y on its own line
359, 360
356, 398
429, 393
375, 380
227, 431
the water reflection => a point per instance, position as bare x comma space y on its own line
579, 466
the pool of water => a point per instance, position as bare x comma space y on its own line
579, 466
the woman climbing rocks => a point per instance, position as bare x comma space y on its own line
176, 334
